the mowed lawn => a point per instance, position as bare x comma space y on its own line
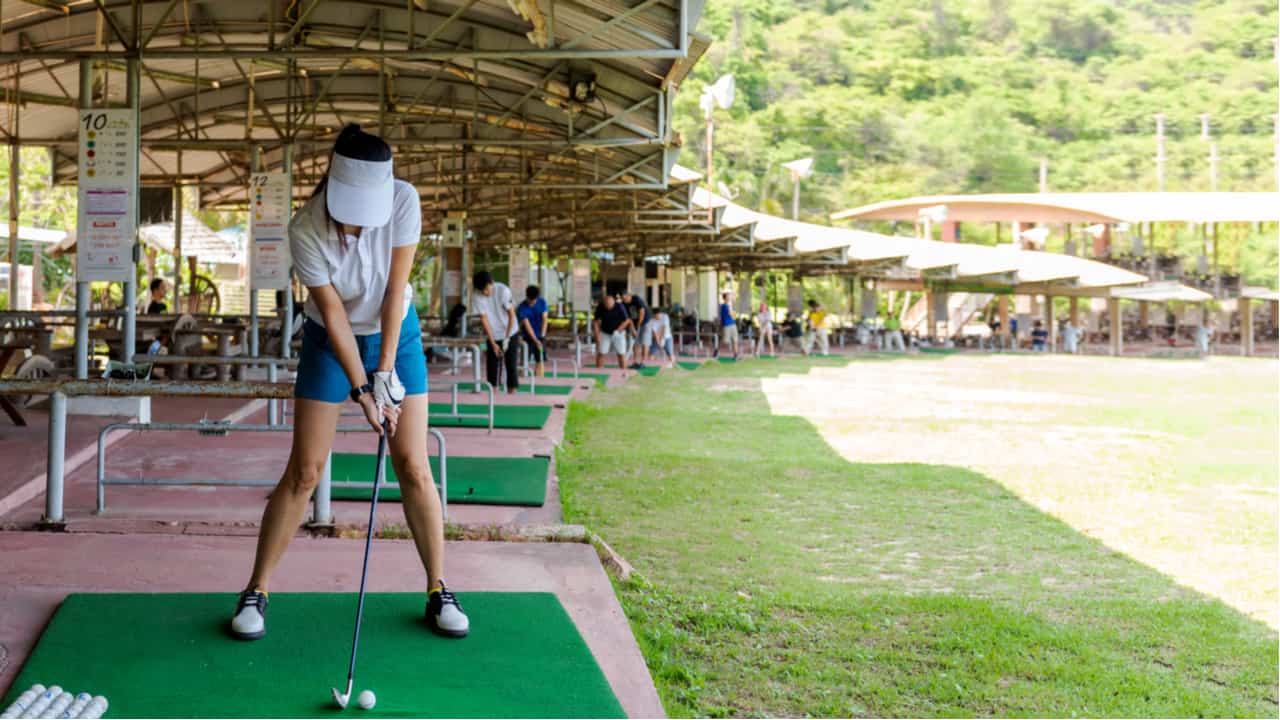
962, 535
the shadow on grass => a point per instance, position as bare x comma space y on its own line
777, 578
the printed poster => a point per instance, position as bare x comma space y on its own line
581, 284
518, 275
106, 211
269, 213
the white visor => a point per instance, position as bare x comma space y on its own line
360, 192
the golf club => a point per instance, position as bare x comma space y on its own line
343, 698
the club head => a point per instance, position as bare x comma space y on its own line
341, 698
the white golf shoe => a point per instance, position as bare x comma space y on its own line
444, 614
250, 621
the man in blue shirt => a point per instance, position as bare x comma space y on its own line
728, 327
1039, 337
532, 316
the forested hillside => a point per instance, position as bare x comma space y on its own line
903, 97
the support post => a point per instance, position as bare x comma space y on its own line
254, 159
1075, 311
57, 454
1002, 306
273, 405
322, 511
1049, 324
286, 323
82, 288
1116, 320
131, 285
931, 320
177, 248
1246, 326
37, 275
13, 222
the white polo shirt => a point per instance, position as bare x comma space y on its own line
358, 269
494, 306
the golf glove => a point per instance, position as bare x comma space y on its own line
387, 390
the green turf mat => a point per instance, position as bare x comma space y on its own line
938, 351
600, 378
649, 371
766, 357
474, 480
524, 388
169, 655
727, 360
513, 417
688, 365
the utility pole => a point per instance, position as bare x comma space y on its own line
1213, 167
1160, 151
1044, 175
1213, 152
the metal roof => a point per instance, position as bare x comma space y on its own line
472, 94
1106, 207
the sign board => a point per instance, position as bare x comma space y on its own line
581, 282
870, 303
453, 284
269, 211
452, 232
106, 208
635, 280
518, 272
691, 291
941, 307
24, 285
795, 299
744, 296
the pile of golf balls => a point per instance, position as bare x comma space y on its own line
54, 702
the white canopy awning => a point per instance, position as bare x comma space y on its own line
998, 265
1161, 292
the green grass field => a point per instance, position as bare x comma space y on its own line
940, 536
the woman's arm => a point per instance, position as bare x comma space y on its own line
393, 305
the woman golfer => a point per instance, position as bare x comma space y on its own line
353, 245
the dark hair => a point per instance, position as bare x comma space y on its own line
482, 280
156, 284
532, 292
453, 328
351, 142
813, 303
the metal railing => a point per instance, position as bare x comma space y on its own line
454, 412
322, 511
59, 389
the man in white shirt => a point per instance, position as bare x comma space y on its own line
1204, 334
1070, 338
661, 337
497, 310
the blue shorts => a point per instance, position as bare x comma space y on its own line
321, 377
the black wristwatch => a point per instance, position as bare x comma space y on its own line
356, 392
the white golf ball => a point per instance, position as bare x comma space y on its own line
366, 699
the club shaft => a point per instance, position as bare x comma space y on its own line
368, 545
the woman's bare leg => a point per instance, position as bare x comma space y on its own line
314, 423
417, 488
